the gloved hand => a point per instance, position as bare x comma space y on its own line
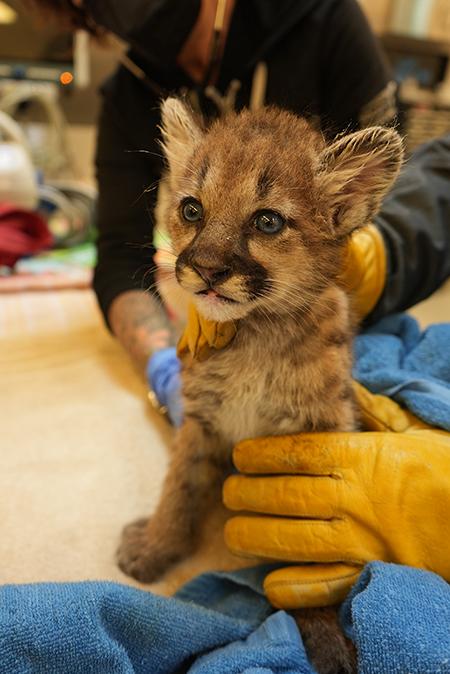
364, 270
163, 375
341, 500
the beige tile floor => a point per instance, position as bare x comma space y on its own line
81, 451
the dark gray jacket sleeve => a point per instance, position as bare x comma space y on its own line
415, 223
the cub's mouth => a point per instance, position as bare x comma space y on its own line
221, 293
214, 295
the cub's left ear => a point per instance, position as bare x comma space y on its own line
355, 172
180, 132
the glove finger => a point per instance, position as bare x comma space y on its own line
308, 453
291, 540
310, 586
300, 496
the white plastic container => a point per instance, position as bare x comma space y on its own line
18, 184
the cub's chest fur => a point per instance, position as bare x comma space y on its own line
275, 379
239, 395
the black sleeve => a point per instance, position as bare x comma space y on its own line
415, 223
353, 68
128, 163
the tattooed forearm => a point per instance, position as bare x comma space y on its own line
141, 325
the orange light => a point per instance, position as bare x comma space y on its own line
66, 77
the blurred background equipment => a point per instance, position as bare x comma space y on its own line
54, 64
47, 199
41, 55
49, 101
39, 65
416, 37
47, 140
18, 183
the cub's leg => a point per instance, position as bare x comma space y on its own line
196, 471
328, 649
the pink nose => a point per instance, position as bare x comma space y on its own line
212, 275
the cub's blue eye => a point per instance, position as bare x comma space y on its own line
269, 222
192, 210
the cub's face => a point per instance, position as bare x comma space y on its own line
256, 222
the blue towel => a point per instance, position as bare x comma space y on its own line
399, 619
219, 624
276, 646
394, 358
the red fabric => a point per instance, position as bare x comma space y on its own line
21, 233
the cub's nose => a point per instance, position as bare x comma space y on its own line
212, 275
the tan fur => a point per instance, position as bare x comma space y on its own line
288, 368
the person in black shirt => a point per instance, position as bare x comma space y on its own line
319, 59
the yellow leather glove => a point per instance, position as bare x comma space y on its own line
340, 500
201, 336
364, 269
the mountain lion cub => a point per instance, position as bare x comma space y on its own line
259, 213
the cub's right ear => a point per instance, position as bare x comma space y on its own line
180, 134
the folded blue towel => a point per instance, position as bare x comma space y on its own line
399, 619
218, 624
394, 358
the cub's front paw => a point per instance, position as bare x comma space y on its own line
143, 554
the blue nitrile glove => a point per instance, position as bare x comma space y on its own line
163, 374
